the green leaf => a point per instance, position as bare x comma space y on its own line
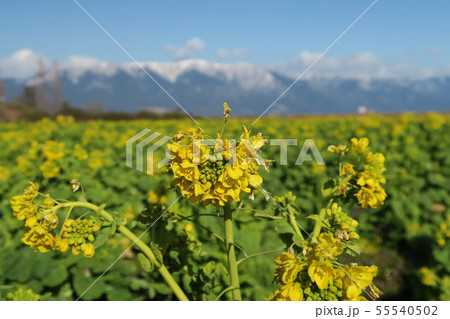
146, 263
293, 210
156, 252
329, 187
102, 236
100, 209
81, 283
352, 249
267, 216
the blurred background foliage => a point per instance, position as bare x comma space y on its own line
407, 238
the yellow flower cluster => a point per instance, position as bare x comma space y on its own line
53, 151
41, 221
37, 219
339, 150
22, 294
428, 278
443, 234
214, 171
316, 276
368, 178
4, 173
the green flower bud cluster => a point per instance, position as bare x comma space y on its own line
343, 225
79, 234
212, 170
312, 293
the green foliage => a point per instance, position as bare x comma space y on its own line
402, 236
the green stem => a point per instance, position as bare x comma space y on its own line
295, 226
232, 264
259, 254
139, 243
318, 226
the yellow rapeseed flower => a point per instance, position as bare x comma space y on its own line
348, 169
288, 268
358, 278
328, 246
290, 292
360, 145
428, 278
88, 250
62, 245
22, 208
53, 150
39, 238
49, 169
321, 272
4, 173
155, 198
375, 162
366, 197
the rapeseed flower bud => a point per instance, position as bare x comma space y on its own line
79, 235
339, 150
226, 111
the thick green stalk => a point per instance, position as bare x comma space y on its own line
232, 264
142, 246
295, 226
317, 225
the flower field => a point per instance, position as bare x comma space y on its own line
391, 196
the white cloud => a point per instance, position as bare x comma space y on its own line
223, 54
190, 48
21, 65
357, 64
364, 65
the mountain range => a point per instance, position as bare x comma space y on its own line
201, 87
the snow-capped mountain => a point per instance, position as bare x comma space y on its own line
201, 87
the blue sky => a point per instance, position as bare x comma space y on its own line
267, 33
